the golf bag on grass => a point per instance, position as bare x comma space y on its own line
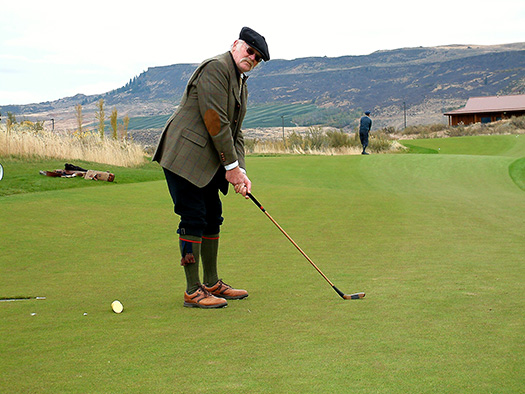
71, 171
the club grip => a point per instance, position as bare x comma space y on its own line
256, 202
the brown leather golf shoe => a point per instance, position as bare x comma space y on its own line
221, 289
203, 299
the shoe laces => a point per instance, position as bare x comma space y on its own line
205, 292
222, 284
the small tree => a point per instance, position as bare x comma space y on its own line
39, 125
126, 125
100, 116
113, 121
78, 108
11, 117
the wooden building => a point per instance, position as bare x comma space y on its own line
487, 109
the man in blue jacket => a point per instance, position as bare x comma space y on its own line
365, 124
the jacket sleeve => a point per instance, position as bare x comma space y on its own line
213, 91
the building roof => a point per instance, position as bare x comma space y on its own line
492, 104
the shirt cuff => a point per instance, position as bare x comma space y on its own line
234, 165
231, 166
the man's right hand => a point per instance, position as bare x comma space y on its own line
239, 180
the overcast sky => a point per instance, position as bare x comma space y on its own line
51, 49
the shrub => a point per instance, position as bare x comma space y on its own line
295, 140
504, 128
388, 130
339, 139
315, 138
518, 122
249, 144
379, 142
436, 127
316, 141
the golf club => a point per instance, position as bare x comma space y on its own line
10, 299
354, 296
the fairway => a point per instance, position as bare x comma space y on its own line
436, 241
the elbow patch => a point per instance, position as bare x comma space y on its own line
212, 122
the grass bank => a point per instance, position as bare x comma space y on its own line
21, 175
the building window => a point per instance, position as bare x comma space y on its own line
486, 119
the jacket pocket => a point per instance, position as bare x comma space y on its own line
194, 137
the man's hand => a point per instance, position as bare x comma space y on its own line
239, 180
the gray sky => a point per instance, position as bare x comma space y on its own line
56, 48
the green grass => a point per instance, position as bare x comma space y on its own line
436, 242
517, 172
268, 115
21, 175
493, 145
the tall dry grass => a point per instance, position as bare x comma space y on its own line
316, 141
23, 140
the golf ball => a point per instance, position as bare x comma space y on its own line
117, 306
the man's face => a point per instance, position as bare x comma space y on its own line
245, 57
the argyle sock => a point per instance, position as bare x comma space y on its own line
209, 252
190, 249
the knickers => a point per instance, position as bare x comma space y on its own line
200, 209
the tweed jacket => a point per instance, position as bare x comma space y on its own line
205, 130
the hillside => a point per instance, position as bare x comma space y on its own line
428, 80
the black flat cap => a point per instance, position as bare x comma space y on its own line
256, 41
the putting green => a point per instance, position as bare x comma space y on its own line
493, 145
436, 242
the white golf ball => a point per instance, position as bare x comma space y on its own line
117, 306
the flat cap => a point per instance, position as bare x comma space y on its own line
256, 41
367, 112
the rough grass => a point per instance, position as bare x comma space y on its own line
22, 140
436, 241
319, 141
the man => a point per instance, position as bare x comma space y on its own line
365, 124
201, 150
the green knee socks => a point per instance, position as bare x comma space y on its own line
190, 249
209, 251
193, 248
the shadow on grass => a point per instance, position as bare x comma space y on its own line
517, 172
419, 149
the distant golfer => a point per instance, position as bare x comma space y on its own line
365, 124
201, 150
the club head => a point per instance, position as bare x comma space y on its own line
355, 296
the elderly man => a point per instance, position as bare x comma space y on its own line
201, 150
